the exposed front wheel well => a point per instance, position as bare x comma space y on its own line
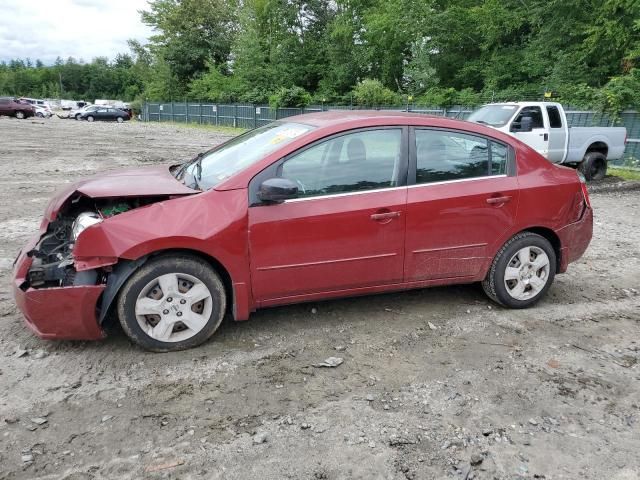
217, 266
123, 270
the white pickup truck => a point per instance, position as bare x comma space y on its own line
543, 126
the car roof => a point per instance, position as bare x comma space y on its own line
340, 120
337, 117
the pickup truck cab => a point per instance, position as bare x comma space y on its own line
543, 126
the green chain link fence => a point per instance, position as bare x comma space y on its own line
249, 116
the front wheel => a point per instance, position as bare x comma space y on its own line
120, 119
20, 115
522, 271
593, 166
172, 303
90, 118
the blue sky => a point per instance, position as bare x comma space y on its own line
46, 29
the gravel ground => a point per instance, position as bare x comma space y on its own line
436, 383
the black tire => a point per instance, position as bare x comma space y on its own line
180, 264
90, 118
593, 166
120, 119
494, 284
20, 115
78, 117
39, 115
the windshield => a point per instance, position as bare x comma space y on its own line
493, 115
213, 167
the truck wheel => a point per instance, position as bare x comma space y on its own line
172, 303
20, 115
521, 272
593, 166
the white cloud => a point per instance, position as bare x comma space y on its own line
83, 29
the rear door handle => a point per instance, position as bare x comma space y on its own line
498, 200
384, 216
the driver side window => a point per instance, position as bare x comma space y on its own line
353, 162
536, 116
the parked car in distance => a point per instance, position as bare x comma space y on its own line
312, 207
76, 114
543, 126
16, 108
101, 113
42, 112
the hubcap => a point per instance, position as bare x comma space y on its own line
527, 273
173, 307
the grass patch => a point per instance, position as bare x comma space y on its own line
212, 128
624, 173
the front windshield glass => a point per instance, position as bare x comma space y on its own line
213, 167
493, 115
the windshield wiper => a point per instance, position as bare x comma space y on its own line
183, 168
481, 121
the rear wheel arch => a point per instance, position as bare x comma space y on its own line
546, 232
553, 239
599, 147
124, 269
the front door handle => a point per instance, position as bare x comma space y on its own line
498, 200
381, 217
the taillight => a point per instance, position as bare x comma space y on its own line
585, 192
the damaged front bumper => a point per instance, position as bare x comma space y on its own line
65, 313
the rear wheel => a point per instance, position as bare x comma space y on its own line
120, 119
593, 166
20, 115
522, 271
172, 303
78, 117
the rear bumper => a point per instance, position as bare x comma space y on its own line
64, 313
575, 239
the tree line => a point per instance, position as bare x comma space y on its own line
372, 52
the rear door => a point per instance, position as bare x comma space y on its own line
463, 197
5, 105
346, 229
557, 135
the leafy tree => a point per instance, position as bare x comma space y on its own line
373, 93
290, 97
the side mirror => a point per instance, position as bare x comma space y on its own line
277, 190
524, 125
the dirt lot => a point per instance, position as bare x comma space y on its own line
436, 383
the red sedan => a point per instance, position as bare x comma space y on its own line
312, 207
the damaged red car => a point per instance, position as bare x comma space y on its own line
317, 206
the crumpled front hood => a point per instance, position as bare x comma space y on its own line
131, 182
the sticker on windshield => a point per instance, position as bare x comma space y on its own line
287, 134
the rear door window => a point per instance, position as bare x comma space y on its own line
443, 155
555, 120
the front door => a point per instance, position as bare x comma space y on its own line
346, 229
465, 195
538, 137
